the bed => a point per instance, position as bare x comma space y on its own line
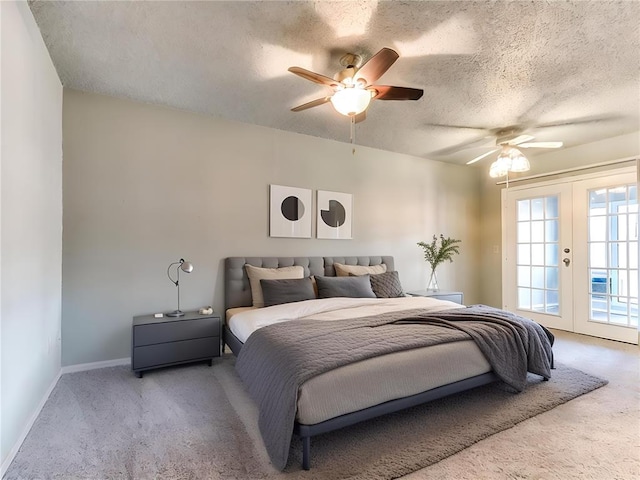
317, 365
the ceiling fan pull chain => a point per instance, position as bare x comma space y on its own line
353, 129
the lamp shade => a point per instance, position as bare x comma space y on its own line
520, 163
510, 160
351, 101
186, 267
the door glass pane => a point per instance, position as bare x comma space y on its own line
551, 231
538, 254
552, 305
551, 278
524, 232
524, 254
618, 227
537, 208
598, 255
551, 210
598, 281
524, 298
537, 277
524, 276
618, 255
598, 228
523, 210
613, 255
537, 300
633, 254
537, 231
551, 256
616, 196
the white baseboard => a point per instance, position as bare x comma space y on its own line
12, 453
81, 367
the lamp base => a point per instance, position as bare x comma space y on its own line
175, 313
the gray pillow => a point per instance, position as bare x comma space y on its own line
387, 285
354, 287
287, 290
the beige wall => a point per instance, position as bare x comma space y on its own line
145, 185
31, 224
622, 147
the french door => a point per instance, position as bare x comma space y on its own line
571, 255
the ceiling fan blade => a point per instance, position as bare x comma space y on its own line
520, 139
485, 141
480, 157
467, 127
579, 120
311, 104
361, 117
373, 69
385, 92
541, 145
314, 77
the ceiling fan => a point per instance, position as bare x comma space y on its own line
507, 139
353, 87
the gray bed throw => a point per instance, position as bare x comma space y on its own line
277, 359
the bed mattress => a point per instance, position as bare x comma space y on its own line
373, 381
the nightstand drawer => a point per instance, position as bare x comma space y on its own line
175, 331
175, 352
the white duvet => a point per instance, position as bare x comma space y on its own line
244, 323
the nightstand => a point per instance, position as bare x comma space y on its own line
440, 295
165, 341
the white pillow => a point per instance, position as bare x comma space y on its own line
256, 274
345, 270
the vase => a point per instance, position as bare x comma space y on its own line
432, 286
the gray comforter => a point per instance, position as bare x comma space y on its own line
276, 360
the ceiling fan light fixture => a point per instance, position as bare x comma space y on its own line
499, 168
351, 101
510, 160
520, 164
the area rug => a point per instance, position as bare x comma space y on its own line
197, 422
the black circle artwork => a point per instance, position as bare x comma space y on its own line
292, 208
335, 216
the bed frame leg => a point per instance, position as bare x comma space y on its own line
306, 453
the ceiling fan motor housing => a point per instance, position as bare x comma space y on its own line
346, 74
506, 135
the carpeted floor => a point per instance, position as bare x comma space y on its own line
197, 422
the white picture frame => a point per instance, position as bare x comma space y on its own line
333, 215
290, 212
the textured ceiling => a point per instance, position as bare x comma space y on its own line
486, 65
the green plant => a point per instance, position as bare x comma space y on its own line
439, 250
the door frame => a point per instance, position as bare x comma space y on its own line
564, 319
570, 179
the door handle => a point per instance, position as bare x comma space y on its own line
566, 261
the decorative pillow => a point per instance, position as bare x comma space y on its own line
290, 290
386, 285
355, 287
345, 270
256, 274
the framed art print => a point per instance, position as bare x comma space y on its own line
334, 215
290, 212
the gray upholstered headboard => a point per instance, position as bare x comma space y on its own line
237, 292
